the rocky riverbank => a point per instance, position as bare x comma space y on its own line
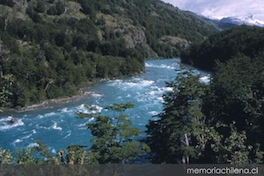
48, 103
83, 92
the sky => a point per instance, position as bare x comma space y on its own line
222, 8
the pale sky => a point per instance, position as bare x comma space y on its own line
222, 8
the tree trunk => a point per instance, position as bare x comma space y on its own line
186, 159
1, 71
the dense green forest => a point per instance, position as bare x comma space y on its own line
216, 123
220, 122
56, 46
242, 40
49, 49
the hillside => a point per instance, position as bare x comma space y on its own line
223, 46
50, 49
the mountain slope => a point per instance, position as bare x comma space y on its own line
223, 46
50, 48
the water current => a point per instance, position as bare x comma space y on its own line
57, 126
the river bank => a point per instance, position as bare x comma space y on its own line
45, 104
82, 93
57, 126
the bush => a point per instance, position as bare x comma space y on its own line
9, 3
52, 11
50, 1
40, 8
60, 8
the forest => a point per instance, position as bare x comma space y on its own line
50, 49
216, 123
220, 122
221, 47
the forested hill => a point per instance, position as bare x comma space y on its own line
49, 49
223, 46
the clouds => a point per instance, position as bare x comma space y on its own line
222, 8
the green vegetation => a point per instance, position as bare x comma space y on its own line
58, 46
182, 120
236, 97
52, 48
243, 40
220, 123
216, 123
113, 142
8, 3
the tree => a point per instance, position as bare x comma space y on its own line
235, 97
52, 11
39, 154
5, 156
174, 137
40, 8
234, 148
8, 3
114, 138
6, 83
60, 8
50, 1
6, 80
197, 125
224, 46
3, 57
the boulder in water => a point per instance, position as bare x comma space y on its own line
13, 121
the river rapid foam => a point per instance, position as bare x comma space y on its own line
58, 126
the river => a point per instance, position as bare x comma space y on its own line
57, 125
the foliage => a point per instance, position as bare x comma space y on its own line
5, 93
236, 96
5, 156
174, 136
57, 47
9, 3
114, 142
234, 149
40, 7
234, 100
114, 138
221, 122
243, 40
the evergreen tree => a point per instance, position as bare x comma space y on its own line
236, 97
225, 45
177, 136
216, 123
114, 138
